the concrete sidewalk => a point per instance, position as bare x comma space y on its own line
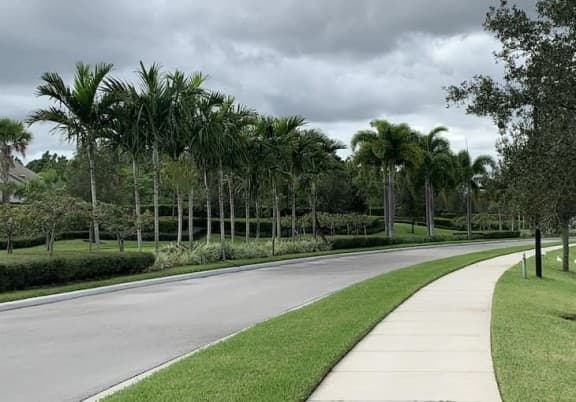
434, 347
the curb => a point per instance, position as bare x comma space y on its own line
41, 300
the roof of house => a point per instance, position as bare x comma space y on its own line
20, 173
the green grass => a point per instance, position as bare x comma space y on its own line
534, 347
283, 359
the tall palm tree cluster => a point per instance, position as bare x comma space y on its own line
425, 161
194, 137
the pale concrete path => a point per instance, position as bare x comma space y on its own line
434, 347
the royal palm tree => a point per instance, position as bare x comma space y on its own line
321, 159
393, 146
81, 112
436, 168
126, 134
469, 174
204, 147
154, 99
14, 139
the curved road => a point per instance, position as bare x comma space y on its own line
70, 350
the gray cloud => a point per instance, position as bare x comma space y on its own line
339, 63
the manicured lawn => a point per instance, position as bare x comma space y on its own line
283, 359
534, 346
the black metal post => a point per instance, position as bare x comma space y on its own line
538, 251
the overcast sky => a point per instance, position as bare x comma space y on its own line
339, 63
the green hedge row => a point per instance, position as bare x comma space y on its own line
23, 242
362, 242
491, 235
45, 271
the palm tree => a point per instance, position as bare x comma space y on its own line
470, 172
204, 147
81, 112
155, 103
14, 138
126, 134
436, 167
321, 159
393, 146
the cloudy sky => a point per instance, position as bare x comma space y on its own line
339, 63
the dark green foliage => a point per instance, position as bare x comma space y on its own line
43, 271
491, 235
364, 242
23, 242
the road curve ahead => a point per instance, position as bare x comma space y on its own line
70, 350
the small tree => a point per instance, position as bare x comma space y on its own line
118, 220
51, 213
14, 221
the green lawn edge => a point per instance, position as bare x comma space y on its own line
533, 347
52, 290
286, 357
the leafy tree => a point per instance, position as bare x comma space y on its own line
14, 221
52, 212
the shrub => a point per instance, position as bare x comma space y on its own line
43, 271
364, 242
489, 235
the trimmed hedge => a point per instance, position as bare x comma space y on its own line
23, 242
45, 271
364, 242
491, 235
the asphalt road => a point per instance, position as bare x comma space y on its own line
70, 350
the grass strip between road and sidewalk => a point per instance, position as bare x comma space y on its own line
285, 358
51, 290
533, 333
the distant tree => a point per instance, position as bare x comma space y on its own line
14, 139
392, 146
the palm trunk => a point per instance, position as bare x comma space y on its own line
93, 194
565, 229
137, 204
273, 216
247, 209
469, 211
180, 204
257, 212
277, 207
221, 210
427, 206
432, 225
313, 202
156, 195
191, 219
293, 207
208, 207
385, 202
232, 209
391, 206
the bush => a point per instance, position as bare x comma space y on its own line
202, 253
44, 271
490, 235
24, 242
364, 242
